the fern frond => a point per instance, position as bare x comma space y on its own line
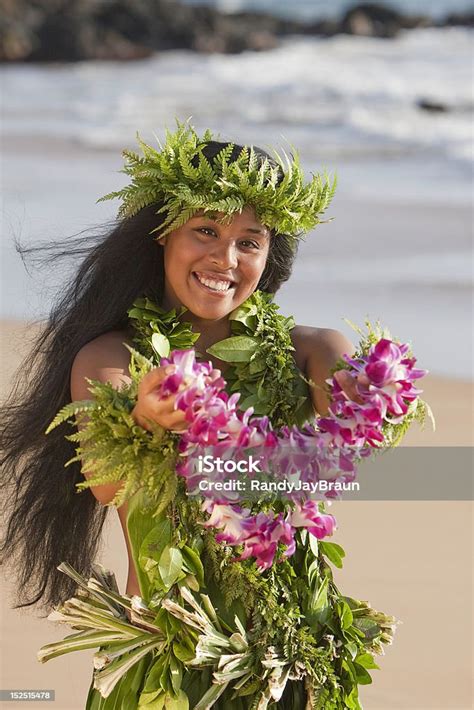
68, 412
179, 176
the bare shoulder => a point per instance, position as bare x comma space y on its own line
317, 351
105, 358
323, 346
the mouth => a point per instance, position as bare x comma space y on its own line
213, 283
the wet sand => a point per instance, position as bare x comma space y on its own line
411, 559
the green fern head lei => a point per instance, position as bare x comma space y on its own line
184, 181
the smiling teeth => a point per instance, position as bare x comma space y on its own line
215, 285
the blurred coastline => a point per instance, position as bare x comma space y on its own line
76, 30
400, 246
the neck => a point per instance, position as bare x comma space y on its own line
211, 331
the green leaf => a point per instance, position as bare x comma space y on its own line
161, 344
152, 682
320, 601
345, 615
257, 365
366, 660
181, 702
369, 627
152, 701
211, 696
313, 543
91, 639
363, 676
250, 401
181, 652
170, 565
176, 670
139, 524
238, 348
105, 680
313, 571
193, 563
351, 701
152, 548
335, 553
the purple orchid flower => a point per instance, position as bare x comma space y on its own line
384, 381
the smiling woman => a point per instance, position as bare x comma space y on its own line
214, 266
205, 230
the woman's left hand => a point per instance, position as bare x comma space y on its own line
348, 384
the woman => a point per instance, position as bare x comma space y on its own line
84, 339
210, 268
212, 250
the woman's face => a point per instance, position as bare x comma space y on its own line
210, 267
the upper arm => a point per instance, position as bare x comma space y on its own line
105, 359
318, 351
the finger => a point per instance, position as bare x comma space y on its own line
156, 376
163, 406
179, 429
342, 378
176, 419
348, 385
172, 420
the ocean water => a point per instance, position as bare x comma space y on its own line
399, 248
344, 97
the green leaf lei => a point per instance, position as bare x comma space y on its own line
181, 178
209, 631
259, 354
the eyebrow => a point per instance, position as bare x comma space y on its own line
254, 230
260, 231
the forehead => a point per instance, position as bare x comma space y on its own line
246, 219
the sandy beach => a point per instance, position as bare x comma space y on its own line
411, 559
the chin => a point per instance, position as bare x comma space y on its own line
213, 306
211, 312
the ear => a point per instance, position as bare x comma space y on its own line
162, 241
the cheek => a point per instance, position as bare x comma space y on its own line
258, 267
176, 258
184, 253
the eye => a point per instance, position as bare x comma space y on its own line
250, 244
207, 231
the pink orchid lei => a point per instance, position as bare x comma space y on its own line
384, 380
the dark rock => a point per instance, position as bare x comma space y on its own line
373, 20
71, 30
56, 37
459, 19
323, 28
432, 106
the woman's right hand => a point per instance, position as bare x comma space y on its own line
150, 408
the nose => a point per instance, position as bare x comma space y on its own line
224, 255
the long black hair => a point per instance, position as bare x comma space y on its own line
47, 520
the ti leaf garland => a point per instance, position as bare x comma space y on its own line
263, 369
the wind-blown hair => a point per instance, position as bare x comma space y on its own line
47, 520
